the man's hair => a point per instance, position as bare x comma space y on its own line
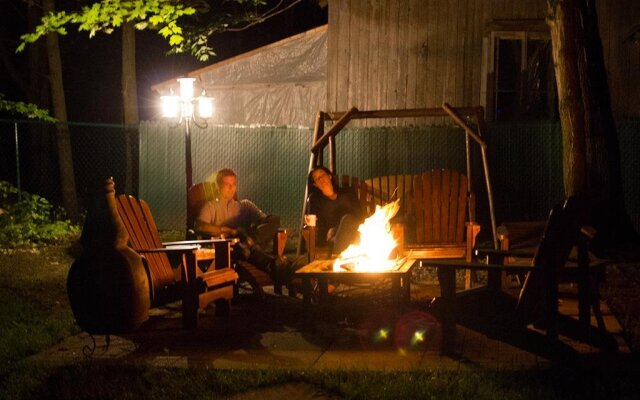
223, 173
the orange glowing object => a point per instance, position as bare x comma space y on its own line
373, 252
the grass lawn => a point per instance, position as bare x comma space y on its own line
35, 310
35, 314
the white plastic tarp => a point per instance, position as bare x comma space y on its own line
280, 84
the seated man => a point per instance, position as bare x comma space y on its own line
227, 217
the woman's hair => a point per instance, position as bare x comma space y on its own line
334, 180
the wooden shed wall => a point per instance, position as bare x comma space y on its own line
386, 54
616, 18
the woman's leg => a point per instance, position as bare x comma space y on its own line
346, 233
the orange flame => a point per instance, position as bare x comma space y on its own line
376, 243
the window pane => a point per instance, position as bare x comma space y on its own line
507, 106
524, 94
538, 81
508, 62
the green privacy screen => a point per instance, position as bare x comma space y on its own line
525, 164
272, 162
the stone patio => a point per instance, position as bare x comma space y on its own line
360, 329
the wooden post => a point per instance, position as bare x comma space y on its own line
332, 154
584, 285
447, 279
318, 132
341, 123
190, 300
485, 163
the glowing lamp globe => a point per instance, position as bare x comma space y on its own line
205, 107
170, 106
186, 88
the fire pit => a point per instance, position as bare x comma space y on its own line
323, 271
367, 261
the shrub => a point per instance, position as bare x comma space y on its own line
28, 220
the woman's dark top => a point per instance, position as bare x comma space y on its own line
330, 212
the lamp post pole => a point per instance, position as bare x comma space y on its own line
187, 156
184, 108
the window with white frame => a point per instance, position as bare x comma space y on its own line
520, 79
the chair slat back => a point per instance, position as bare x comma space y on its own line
200, 193
437, 198
143, 234
561, 234
197, 195
440, 205
385, 189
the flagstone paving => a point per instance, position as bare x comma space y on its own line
354, 332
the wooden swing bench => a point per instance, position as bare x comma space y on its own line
433, 207
438, 205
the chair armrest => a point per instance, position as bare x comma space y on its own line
222, 254
503, 253
179, 249
280, 241
201, 241
456, 264
188, 268
520, 233
221, 246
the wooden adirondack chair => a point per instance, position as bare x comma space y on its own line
441, 209
551, 264
171, 281
205, 191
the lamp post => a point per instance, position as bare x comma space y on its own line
187, 108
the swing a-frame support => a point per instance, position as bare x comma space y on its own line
473, 131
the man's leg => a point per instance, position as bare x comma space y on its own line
263, 261
266, 231
279, 268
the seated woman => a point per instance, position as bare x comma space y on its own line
338, 211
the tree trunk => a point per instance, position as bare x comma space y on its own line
591, 153
39, 176
35, 139
566, 32
130, 105
63, 139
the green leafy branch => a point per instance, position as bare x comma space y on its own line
167, 17
27, 110
106, 15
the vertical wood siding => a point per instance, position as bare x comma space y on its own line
386, 54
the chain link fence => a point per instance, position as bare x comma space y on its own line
525, 162
30, 160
